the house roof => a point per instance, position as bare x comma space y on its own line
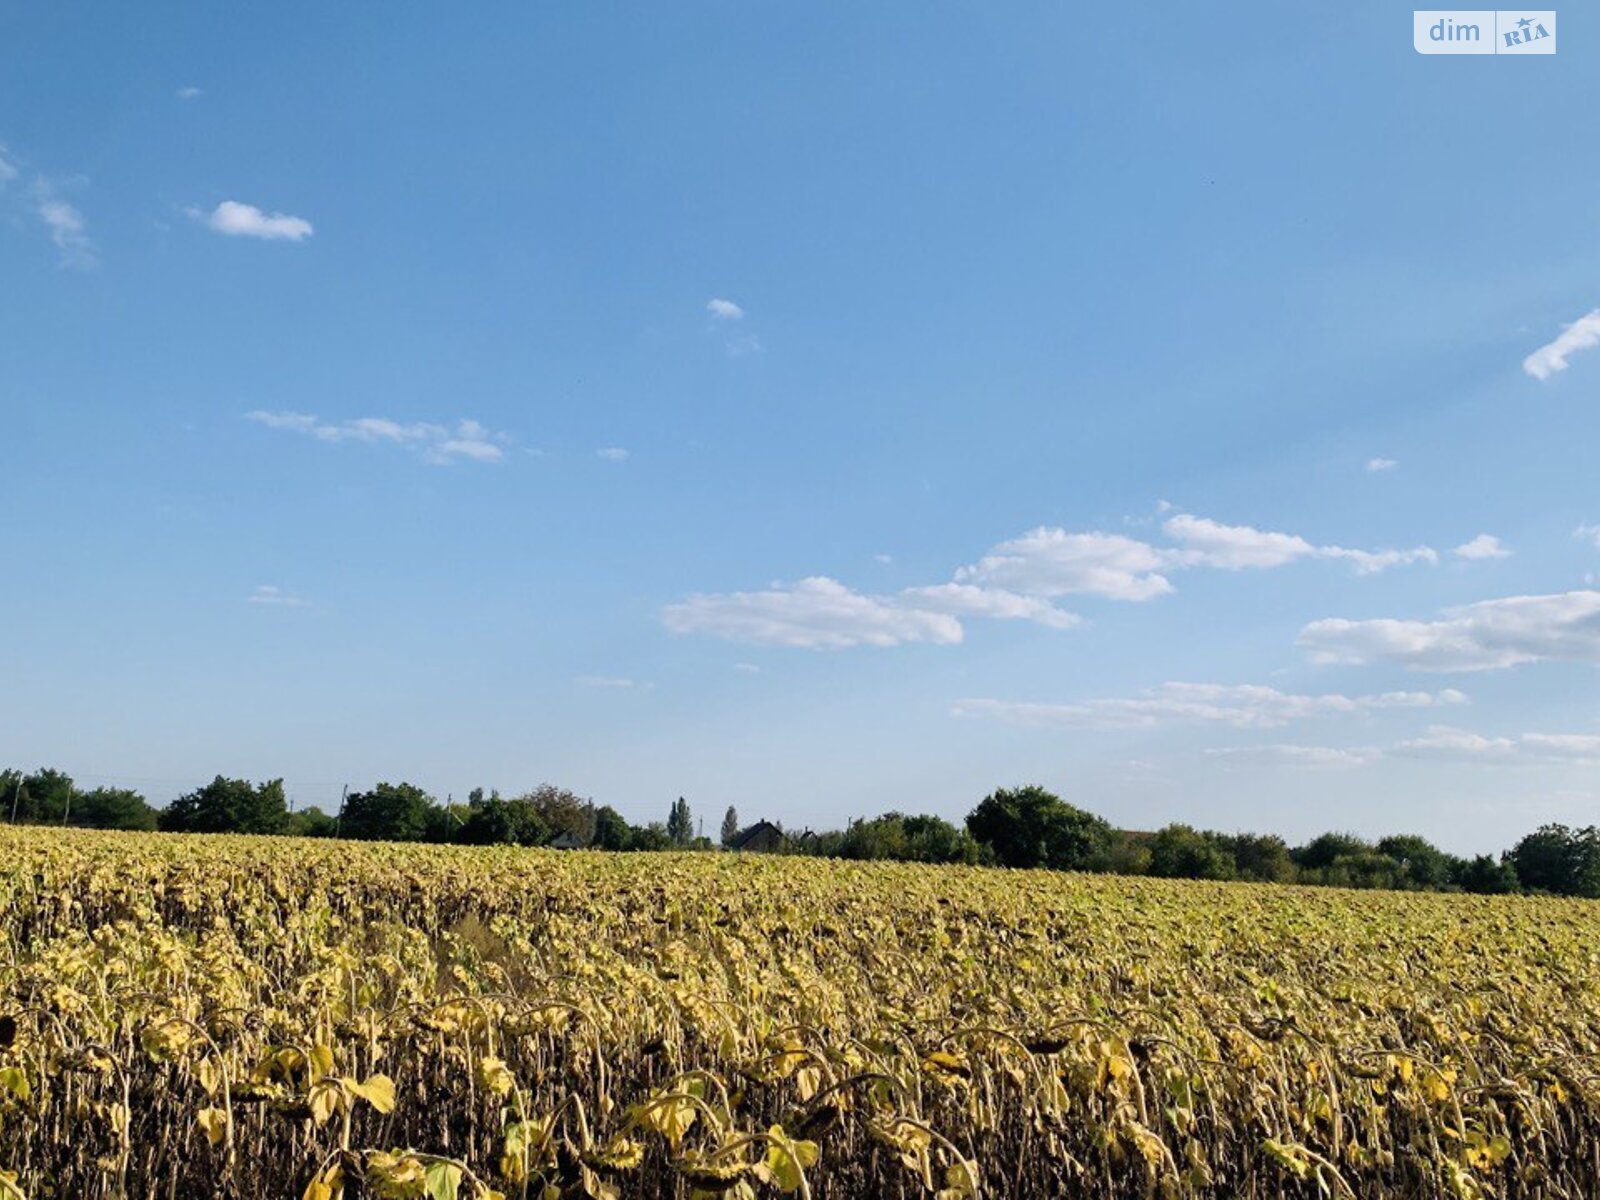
565, 840
759, 829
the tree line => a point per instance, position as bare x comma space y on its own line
1011, 827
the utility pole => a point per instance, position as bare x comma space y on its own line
16, 795
339, 820
67, 810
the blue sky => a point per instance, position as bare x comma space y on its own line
819, 409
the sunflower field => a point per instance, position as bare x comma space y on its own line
189, 1016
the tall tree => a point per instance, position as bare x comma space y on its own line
730, 826
680, 825
229, 806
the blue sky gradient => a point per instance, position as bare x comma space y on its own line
367, 414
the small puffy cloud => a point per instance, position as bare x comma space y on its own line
66, 227
234, 219
1488, 635
1484, 546
438, 444
613, 454
724, 310
883, 559
189, 93
615, 683
743, 668
815, 613
1376, 466
1243, 706
271, 595
1315, 758
1588, 533
1582, 334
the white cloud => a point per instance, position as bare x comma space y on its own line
884, 559
1318, 758
1053, 562
246, 220
1484, 546
8, 172
1552, 357
744, 668
966, 600
611, 683
1488, 635
66, 227
724, 310
189, 93
815, 613
269, 594
1447, 743
1243, 706
613, 454
1210, 543
1376, 465
1588, 533
437, 444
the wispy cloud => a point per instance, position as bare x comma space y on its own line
724, 310
1582, 334
1377, 465
613, 454
815, 613
233, 219
1244, 706
1461, 745
270, 594
1588, 533
966, 600
1488, 635
189, 93
438, 444
1280, 754
8, 170
1484, 546
66, 227
614, 683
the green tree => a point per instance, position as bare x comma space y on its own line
1182, 852
611, 830
112, 808
1485, 876
228, 806
1322, 850
1422, 864
730, 826
44, 798
562, 811
389, 812
311, 822
653, 836
1260, 857
1560, 860
680, 824
495, 821
1029, 827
